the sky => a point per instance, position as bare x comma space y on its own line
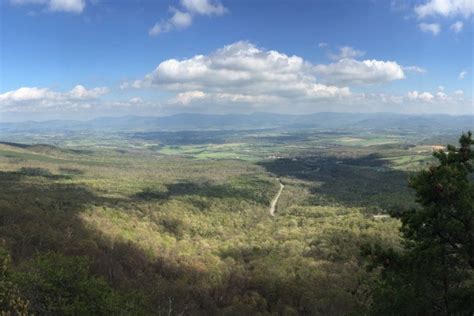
80, 59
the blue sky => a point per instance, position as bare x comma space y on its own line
89, 58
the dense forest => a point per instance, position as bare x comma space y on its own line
363, 226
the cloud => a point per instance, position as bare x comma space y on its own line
75, 6
445, 8
179, 20
188, 96
182, 19
80, 92
347, 69
242, 77
351, 71
34, 97
418, 102
136, 100
462, 75
440, 96
323, 45
241, 73
70, 6
437, 102
432, 28
347, 52
204, 7
25, 94
457, 26
420, 96
414, 69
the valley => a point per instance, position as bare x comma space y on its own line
186, 221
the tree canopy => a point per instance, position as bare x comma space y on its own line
433, 273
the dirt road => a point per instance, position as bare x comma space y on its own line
275, 199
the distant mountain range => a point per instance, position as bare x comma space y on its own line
190, 121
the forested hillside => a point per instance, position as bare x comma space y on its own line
174, 229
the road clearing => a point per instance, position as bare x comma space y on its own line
275, 199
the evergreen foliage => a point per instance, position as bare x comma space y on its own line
434, 275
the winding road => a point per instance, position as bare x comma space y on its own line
275, 199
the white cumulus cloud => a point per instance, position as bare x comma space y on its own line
457, 26
420, 96
433, 28
188, 96
183, 18
204, 7
242, 73
34, 97
445, 8
179, 20
242, 77
347, 52
76, 6
360, 72
80, 92
440, 97
26, 94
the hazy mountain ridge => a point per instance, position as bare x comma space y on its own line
192, 121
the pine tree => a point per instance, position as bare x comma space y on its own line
434, 273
